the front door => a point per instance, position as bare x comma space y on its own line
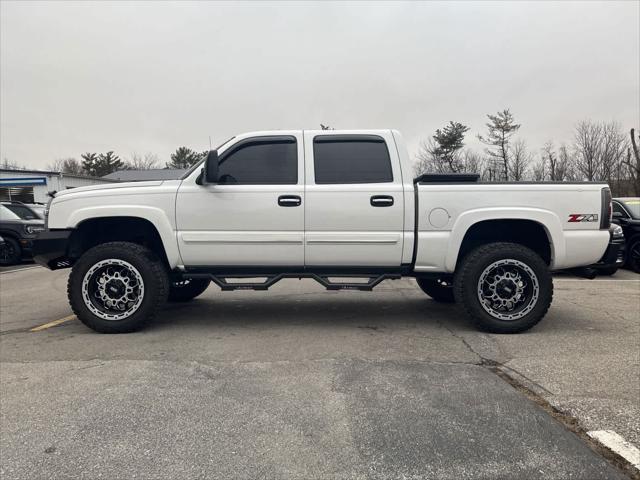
354, 204
254, 215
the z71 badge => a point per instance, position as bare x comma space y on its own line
583, 217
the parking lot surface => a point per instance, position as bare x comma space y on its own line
298, 382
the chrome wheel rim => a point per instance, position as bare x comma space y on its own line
113, 289
508, 289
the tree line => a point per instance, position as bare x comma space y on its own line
598, 151
100, 164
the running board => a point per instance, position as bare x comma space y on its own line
224, 284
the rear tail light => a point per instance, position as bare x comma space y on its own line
606, 208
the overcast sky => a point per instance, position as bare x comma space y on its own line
140, 77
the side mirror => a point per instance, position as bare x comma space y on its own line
617, 215
211, 167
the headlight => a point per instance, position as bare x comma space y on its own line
31, 229
617, 232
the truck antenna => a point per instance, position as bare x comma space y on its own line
209, 142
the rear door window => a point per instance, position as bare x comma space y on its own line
351, 159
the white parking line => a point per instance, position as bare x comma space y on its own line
617, 444
20, 269
595, 280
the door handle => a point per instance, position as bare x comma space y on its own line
381, 201
289, 200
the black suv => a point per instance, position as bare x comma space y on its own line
626, 213
19, 226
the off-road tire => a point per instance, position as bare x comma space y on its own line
187, 289
151, 269
470, 270
435, 290
15, 254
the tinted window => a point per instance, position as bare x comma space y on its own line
633, 206
618, 208
23, 212
351, 159
261, 162
6, 214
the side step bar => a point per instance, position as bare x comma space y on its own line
223, 280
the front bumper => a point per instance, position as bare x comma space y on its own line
51, 247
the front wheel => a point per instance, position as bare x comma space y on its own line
117, 287
10, 252
504, 287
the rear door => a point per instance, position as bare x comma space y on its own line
354, 200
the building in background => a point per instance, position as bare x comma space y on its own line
142, 175
33, 186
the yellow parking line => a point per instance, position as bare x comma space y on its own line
52, 324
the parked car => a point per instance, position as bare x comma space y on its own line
324, 205
18, 234
615, 256
626, 213
23, 210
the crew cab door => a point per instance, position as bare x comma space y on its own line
254, 215
354, 200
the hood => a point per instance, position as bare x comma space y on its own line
108, 186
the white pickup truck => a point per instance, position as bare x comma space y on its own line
327, 205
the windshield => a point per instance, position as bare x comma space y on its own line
633, 207
190, 171
6, 214
22, 211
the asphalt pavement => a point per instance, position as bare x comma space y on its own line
299, 382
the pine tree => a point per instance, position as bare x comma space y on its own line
501, 128
184, 158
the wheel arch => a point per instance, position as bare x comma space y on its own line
537, 229
98, 229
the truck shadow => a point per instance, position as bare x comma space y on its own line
322, 309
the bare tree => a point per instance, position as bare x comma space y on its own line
473, 162
66, 165
633, 165
11, 165
564, 166
520, 160
539, 170
614, 148
426, 159
143, 162
587, 146
500, 128
556, 164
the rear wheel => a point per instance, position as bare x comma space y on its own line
504, 287
188, 289
10, 252
117, 287
439, 290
